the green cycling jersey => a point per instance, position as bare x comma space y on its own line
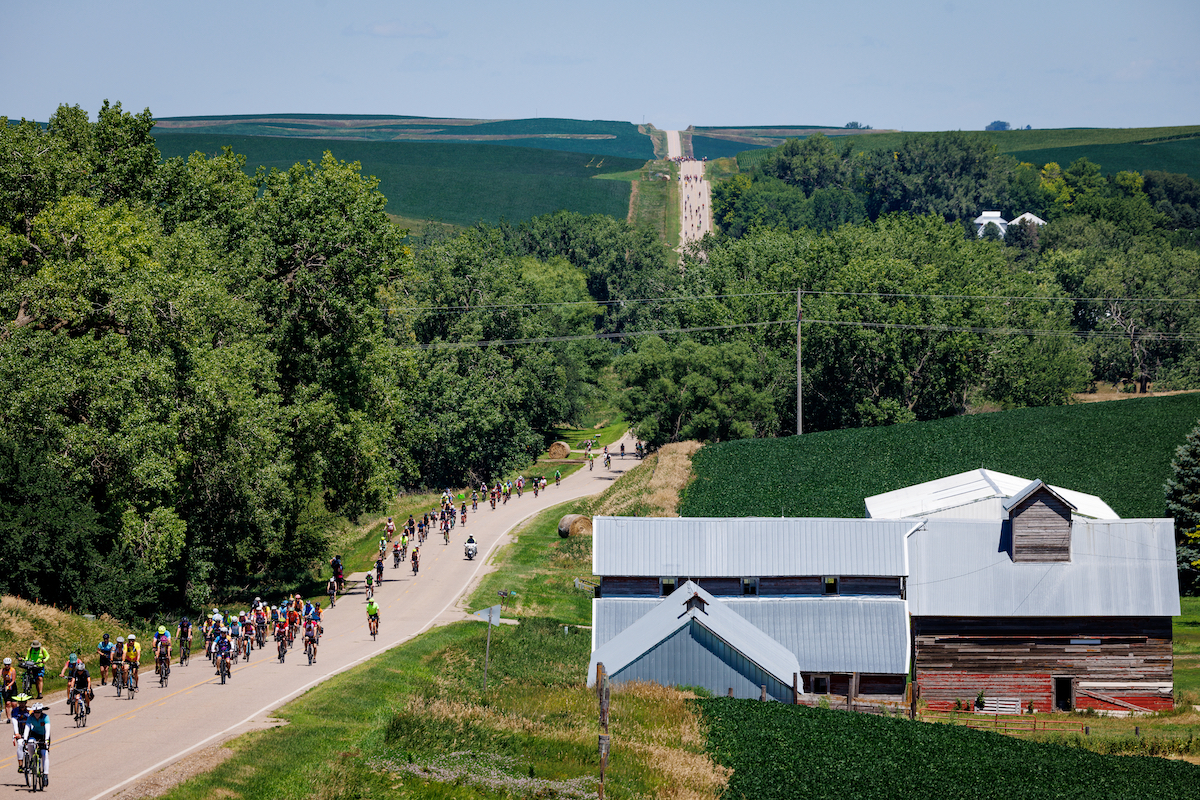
372, 608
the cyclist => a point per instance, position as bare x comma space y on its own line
310, 634
36, 733
372, 614
8, 680
39, 656
338, 575
224, 648
260, 625
293, 622
105, 649
118, 660
464, 512
607, 461
18, 715
133, 658
82, 682
331, 590
235, 634
370, 584
68, 671
390, 530
280, 630
396, 551
557, 477
184, 634
622, 449
416, 555
382, 546
162, 651
379, 570
591, 460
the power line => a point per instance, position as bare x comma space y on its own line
790, 292
1047, 332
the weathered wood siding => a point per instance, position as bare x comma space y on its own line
628, 587
798, 586
1041, 529
877, 686
721, 586
956, 657
882, 587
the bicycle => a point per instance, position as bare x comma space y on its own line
332, 597
246, 647
164, 670
395, 559
370, 591
310, 649
185, 651
79, 708
29, 677
373, 623
446, 534
224, 670
282, 639
118, 678
35, 776
130, 686
260, 635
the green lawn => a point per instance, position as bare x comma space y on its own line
459, 184
610, 431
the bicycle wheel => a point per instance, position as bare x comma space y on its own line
310, 653
119, 682
28, 773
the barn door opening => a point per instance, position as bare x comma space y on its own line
1062, 695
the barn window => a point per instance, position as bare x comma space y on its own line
749, 585
831, 585
820, 684
668, 586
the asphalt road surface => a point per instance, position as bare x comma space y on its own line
128, 739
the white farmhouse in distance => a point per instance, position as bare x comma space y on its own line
994, 217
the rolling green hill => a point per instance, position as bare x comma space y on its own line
597, 137
1173, 149
456, 183
1120, 451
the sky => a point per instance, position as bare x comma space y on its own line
912, 65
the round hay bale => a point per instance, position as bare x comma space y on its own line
560, 450
575, 525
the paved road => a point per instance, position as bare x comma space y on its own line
695, 202
128, 739
674, 145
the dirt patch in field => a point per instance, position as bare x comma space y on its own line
1106, 392
631, 217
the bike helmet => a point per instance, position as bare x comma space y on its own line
162, 628
21, 698
105, 637
132, 637
8, 662
120, 640
35, 645
36, 708
71, 659
184, 621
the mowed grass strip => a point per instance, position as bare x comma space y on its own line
456, 183
1120, 451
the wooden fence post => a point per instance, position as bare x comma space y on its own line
795, 689
603, 694
731, 691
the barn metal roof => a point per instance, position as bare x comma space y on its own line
1020, 497
1123, 568
672, 613
826, 634
700, 547
957, 495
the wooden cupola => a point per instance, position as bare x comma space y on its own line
1040, 521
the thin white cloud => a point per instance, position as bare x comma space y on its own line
396, 30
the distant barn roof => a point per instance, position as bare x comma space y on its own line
977, 494
1124, 568
699, 547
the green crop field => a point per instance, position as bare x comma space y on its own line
1120, 451
1181, 156
456, 183
597, 137
1173, 149
709, 147
778, 752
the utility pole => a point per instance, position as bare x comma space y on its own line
799, 370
